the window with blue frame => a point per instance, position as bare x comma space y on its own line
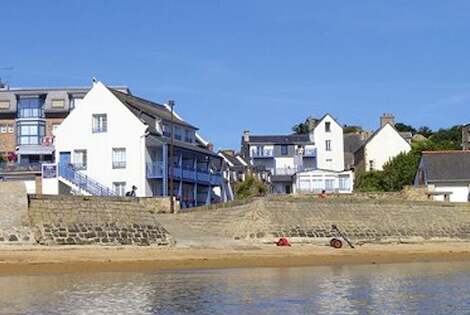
30, 107
30, 132
284, 149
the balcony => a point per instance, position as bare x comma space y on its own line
155, 171
267, 154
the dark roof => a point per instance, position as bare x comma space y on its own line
446, 165
285, 139
232, 159
147, 110
352, 142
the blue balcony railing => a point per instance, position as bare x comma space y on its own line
155, 170
84, 182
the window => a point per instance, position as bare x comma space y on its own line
4, 104
371, 165
188, 135
329, 184
284, 149
166, 130
79, 159
344, 182
30, 107
327, 126
259, 150
119, 188
327, 145
30, 132
100, 123
119, 157
58, 103
178, 133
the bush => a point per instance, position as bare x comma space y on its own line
250, 187
370, 181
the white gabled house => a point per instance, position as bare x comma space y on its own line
114, 141
294, 159
381, 147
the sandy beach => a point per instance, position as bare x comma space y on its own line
33, 259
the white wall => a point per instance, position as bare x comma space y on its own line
459, 193
385, 145
334, 159
124, 130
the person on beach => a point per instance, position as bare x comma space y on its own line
132, 192
322, 195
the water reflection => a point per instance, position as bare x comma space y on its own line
438, 288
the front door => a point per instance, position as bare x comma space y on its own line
64, 158
287, 189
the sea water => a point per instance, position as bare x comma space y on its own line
418, 288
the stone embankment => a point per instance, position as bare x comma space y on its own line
80, 220
377, 218
14, 220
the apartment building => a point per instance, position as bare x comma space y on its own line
114, 141
291, 157
28, 117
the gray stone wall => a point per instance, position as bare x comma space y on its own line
77, 220
310, 219
14, 221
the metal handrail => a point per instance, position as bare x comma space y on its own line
83, 181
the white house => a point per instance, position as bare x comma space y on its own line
114, 141
288, 156
445, 174
381, 147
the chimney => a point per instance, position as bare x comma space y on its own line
387, 118
246, 136
210, 147
229, 152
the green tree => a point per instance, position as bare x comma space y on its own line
425, 131
451, 137
250, 187
403, 127
301, 128
400, 171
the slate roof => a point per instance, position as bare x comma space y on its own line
147, 110
281, 139
446, 165
232, 159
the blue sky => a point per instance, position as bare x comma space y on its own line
257, 65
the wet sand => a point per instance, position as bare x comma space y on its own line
35, 259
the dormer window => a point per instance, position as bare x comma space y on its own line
4, 104
58, 103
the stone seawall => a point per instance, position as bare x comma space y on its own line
14, 220
78, 220
309, 218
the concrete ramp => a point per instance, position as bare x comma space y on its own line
14, 219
